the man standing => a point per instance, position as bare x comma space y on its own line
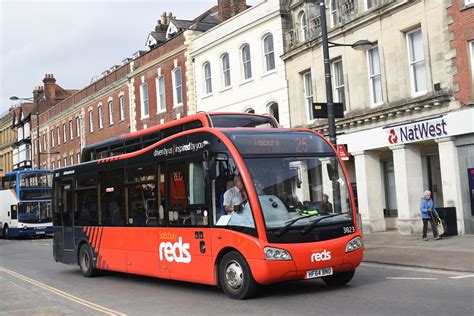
235, 195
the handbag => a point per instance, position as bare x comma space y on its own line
439, 224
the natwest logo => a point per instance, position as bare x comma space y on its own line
418, 131
175, 252
321, 256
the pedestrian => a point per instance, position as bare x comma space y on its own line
428, 212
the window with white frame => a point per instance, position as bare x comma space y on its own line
59, 163
333, 14
44, 141
52, 165
161, 93
64, 133
308, 93
91, 122
58, 136
273, 110
369, 4
144, 105
122, 107
416, 60
467, 2
78, 158
303, 26
338, 74
269, 52
78, 127
71, 160
207, 78
471, 53
111, 112
375, 77
26, 130
225, 69
246, 61
100, 116
52, 138
71, 130
177, 87
65, 161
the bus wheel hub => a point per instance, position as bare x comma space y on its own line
234, 275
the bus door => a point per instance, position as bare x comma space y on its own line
185, 246
67, 215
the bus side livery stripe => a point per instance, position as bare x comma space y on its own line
100, 239
96, 240
346, 174
91, 240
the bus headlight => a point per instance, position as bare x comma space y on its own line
276, 254
354, 244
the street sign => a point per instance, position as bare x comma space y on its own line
320, 110
342, 151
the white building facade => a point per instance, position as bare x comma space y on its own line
237, 65
404, 130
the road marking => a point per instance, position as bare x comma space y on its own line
65, 295
408, 268
462, 276
406, 278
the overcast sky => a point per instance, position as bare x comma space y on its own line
75, 40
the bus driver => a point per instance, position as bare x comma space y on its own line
235, 195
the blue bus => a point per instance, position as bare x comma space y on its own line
25, 203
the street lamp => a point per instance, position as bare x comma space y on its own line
359, 45
36, 102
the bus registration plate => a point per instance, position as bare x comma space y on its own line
311, 274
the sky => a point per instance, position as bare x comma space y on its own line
75, 40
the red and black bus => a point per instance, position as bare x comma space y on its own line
159, 211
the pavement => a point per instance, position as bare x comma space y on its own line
452, 253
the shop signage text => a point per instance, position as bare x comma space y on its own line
417, 131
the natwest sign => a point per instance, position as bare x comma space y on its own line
416, 131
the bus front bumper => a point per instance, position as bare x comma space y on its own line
273, 271
30, 231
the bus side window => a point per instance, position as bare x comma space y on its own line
85, 201
112, 202
14, 212
141, 196
57, 203
187, 205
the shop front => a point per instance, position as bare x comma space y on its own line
393, 165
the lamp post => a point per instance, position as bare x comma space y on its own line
36, 102
359, 45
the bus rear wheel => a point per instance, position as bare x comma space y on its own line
339, 279
235, 276
86, 261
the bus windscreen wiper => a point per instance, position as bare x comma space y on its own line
285, 228
314, 223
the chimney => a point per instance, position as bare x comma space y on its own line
164, 19
229, 8
49, 87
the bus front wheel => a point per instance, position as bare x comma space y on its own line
86, 261
235, 276
339, 279
6, 232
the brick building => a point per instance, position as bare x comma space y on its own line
460, 15
152, 87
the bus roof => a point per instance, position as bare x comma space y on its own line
26, 171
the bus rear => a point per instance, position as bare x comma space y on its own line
26, 204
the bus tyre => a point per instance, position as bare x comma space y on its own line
235, 276
86, 261
339, 279
6, 232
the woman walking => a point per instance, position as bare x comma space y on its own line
427, 212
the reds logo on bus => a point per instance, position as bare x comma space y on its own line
321, 256
175, 252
